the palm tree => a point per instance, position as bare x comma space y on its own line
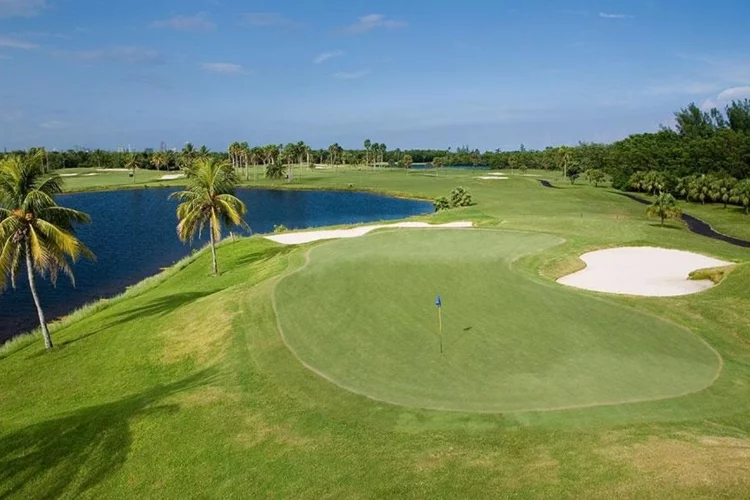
204, 152
664, 207
159, 160
209, 199
187, 155
741, 195
564, 159
368, 145
34, 228
131, 163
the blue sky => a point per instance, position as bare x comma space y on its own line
490, 74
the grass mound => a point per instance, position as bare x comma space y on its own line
361, 313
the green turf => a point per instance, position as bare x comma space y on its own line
362, 315
183, 388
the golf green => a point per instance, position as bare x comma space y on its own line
362, 314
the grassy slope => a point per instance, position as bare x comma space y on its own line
186, 389
511, 343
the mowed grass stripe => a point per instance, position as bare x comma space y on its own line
362, 313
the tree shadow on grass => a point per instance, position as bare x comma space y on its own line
157, 307
70, 454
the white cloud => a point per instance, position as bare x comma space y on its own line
324, 56
735, 93
125, 54
21, 8
199, 22
684, 88
371, 22
726, 96
54, 125
606, 15
266, 19
225, 68
15, 43
352, 75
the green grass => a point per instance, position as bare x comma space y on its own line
510, 343
183, 387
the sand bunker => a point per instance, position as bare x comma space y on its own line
494, 178
309, 236
646, 271
68, 175
113, 170
89, 175
171, 177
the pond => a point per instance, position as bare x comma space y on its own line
133, 236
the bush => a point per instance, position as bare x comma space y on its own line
279, 228
441, 203
460, 198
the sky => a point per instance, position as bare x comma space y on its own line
490, 74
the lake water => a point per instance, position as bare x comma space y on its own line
133, 236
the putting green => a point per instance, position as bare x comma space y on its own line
361, 313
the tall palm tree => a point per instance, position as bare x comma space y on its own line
34, 228
664, 207
132, 163
209, 200
368, 145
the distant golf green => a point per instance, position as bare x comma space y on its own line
362, 313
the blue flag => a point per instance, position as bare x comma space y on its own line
438, 302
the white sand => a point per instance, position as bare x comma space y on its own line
89, 175
502, 174
171, 177
309, 236
68, 175
646, 271
495, 178
113, 170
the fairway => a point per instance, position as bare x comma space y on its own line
361, 313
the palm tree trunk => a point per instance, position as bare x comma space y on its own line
213, 251
32, 285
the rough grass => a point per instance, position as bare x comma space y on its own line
128, 405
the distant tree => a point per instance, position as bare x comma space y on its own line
741, 195
595, 176
209, 201
664, 207
368, 145
132, 163
407, 162
573, 172
159, 160
35, 229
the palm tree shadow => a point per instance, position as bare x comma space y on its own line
70, 454
157, 307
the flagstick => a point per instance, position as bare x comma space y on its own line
440, 323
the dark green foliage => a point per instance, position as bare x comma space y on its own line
460, 198
276, 171
441, 203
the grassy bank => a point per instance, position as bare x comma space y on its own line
185, 387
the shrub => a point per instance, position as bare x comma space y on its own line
460, 198
279, 228
441, 203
